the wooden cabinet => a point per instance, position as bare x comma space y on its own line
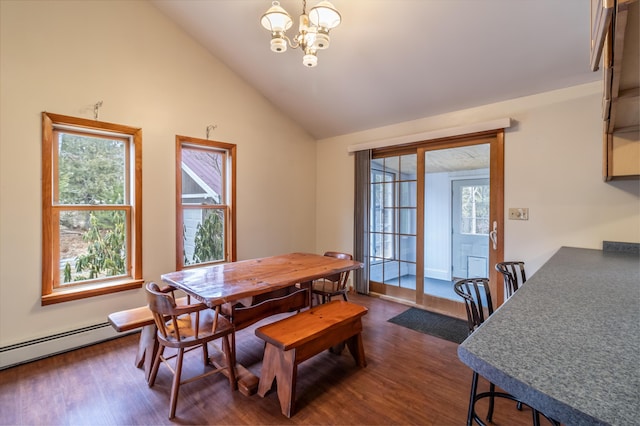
615, 43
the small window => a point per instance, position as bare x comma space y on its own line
91, 206
205, 202
475, 210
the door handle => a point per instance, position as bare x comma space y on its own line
494, 235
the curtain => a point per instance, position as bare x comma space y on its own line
361, 219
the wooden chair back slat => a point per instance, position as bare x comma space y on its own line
335, 284
341, 278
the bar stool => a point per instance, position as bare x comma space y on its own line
477, 300
513, 275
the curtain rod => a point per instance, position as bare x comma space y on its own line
501, 123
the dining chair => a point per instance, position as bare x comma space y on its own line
513, 275
478, 304
333, 285
184, 328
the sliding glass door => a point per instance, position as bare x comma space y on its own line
432, 208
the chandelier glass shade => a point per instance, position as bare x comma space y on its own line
313, 29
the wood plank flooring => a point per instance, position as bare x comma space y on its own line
411, 378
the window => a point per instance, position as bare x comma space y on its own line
392, 235
382, 223
205, 213
475, 210
91, 208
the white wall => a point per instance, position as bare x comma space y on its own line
437, 222
63, 57
553, 166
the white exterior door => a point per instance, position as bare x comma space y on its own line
470, 228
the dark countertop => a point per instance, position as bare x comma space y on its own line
568, 342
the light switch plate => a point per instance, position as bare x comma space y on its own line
519, 213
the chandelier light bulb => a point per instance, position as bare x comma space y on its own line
324, 15
276, 19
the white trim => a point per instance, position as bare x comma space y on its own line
501, 123
91, 130
55, 344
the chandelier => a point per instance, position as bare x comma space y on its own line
313, 30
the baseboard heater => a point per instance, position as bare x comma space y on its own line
43, 347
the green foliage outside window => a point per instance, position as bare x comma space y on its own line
475, 209
105, 250
91, 171
209, 239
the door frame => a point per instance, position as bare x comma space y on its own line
495, 138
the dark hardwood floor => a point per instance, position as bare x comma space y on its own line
411, 378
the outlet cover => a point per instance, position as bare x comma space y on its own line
519, 213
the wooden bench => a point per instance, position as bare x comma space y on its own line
132, 319
297, 338
288, 299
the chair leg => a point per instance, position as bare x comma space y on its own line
205, 354
474, 388
535, 414
156, 364
344, 296
176, 384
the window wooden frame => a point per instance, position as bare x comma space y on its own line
229, 204
51, 292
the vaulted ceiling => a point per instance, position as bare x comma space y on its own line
398, 60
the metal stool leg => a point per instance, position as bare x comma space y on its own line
492, 390
474, 388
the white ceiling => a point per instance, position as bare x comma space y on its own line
398, 60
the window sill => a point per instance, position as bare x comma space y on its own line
83, 292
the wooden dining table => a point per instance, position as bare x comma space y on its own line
243, 282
